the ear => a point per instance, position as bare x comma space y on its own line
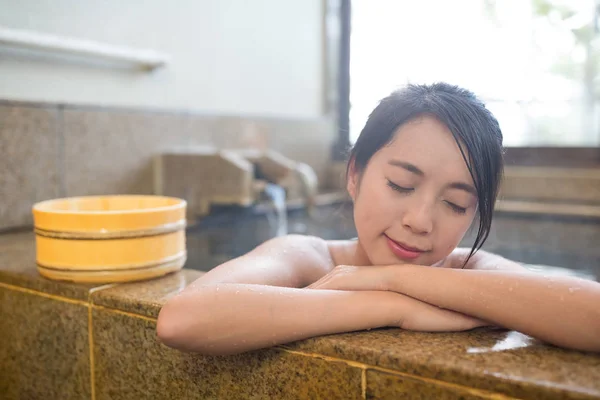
352, 180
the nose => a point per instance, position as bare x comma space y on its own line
419, 217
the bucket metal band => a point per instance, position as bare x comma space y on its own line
103, 235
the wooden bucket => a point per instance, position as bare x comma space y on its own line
103, 239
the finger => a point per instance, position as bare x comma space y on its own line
316, 283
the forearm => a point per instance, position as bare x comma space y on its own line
233, 318
563, 311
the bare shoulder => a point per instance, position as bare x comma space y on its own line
309, 252
481, 260
291, 261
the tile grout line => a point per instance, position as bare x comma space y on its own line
363, 383
74, 301
355, 364
91, 346
61, 153
362, 366
471, 390
42, 294
99, 288
91, 336
127, 313
365, 367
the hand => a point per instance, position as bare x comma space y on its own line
350, 277
413, 314
420, 316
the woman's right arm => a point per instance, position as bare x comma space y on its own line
234, 318
257, 301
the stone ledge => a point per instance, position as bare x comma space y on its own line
116, 346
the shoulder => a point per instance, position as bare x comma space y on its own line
481, 260
296, 244
309, 253
314, 255
290, 261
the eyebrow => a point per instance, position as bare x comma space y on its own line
407, 166
415, 170
463, 186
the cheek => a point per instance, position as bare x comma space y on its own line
373, 210
452, 233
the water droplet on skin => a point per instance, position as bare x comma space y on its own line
510, 289
573, 289
260, 293
237, 291
217, 288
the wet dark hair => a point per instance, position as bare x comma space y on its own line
473, 126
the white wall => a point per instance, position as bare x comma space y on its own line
233, 57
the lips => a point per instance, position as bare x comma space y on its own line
402, 250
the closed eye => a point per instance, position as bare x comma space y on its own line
457, 209
398, 188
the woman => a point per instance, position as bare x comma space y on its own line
425, 168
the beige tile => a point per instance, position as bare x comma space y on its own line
205, 177
307, 141
551, 184
131, 364
238, 132
381, 385
44, 352
111, 151
147, 297
529, 369
18, 268
29, 161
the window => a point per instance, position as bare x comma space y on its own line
536, 63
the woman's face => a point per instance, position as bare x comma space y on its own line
415, 200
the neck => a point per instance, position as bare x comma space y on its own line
359, 256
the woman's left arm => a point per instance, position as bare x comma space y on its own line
564, 311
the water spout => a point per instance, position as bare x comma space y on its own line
276, 195
309, 183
